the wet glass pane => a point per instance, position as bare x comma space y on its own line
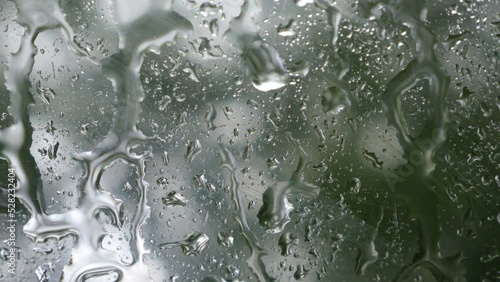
249, 140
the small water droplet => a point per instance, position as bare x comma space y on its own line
52, 152
210, 116
193, 149
232, 271
44, 251
46, 94
165, 100
84, 128
354, 185
162, 181
370, 156
181, 97
4, 253
224, 239
164, 157
192, 246
208, 8
287, 30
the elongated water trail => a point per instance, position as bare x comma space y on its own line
275, 211
417, 188
16, 140
256, 252
264, 64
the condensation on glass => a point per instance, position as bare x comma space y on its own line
249, 140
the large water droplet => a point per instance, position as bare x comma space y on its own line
266, 67
193, 245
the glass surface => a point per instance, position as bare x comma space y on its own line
249, 140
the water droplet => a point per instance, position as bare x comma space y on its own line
201, 180
247, 152
210, 116
286, 241
191, 70
49, 128
165, 100
302, 3
287, 30
4, 253
208, 8
490, 257
373, 159
272, 163
174, 198
224, 239
127, 187
253, 103
46, 94
43, 272
266, 67
354, 185
164, 157
193, 149
44, 251
181, 97
162, 181
192, 246
300, 273
52, 152
227, 111
232, 271
320, 134
214, 27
